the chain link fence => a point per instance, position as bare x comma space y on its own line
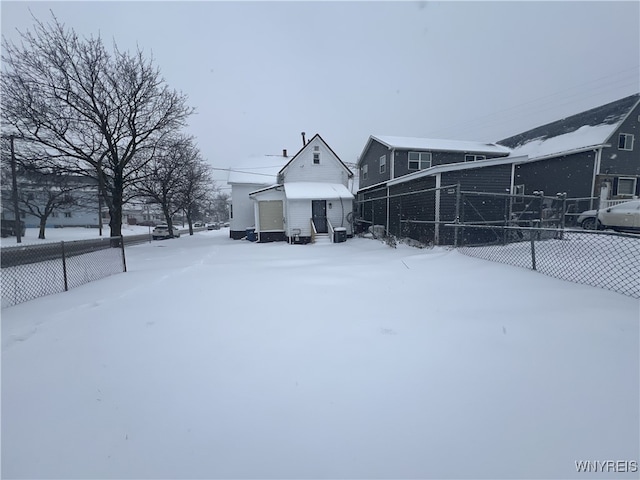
601, 259
33, 271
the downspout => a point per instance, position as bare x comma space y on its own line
392, 171
436, 235
388, 203
596, 170
392, 161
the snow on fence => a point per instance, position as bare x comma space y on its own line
33, 271
601, 259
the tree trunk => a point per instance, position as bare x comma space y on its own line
115, 206
43, 223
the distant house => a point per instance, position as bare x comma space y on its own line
310, 199
82, 213
245, 177
591, 154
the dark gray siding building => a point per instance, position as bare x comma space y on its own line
387, 158
419, 205
595, 153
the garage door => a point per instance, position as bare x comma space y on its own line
271, 215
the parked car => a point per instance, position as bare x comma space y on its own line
213, 226
9, 228
624, 216
162, 231
198, 224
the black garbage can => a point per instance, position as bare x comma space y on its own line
251, 234
339, 235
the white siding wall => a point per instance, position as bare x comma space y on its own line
243, 216
299, 216
328, 171
337, 214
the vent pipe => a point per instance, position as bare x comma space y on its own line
284, 152
303, 142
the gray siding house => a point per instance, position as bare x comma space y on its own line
386, 158
594, 153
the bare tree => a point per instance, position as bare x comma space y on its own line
219, 207
163, 177
95, 113
197, 188
43, 193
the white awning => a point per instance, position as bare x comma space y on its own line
316, 191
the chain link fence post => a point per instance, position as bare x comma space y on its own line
124, 261
64, 267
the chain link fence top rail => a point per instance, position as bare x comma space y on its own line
600, 259
33, 271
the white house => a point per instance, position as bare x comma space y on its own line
311, 198
245, 177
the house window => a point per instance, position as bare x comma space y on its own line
316, 158
626, 186
625, 141
54, 214
67, 214
365, 172
383, 163
419, 160
518, 191
474, 158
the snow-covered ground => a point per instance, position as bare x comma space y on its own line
214, 358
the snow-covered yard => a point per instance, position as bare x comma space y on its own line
213, 358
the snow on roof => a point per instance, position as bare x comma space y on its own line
316, 191
259, 170
583, 137
436, 144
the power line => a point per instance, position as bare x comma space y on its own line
615, 82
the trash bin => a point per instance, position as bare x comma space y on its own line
251, 234
339, 235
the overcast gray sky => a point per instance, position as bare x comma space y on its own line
259, 73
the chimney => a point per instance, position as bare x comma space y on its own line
284, 152
303, 142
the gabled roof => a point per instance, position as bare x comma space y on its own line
258, 170
317, 135
591, 128
435, 145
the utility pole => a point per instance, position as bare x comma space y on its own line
16, 208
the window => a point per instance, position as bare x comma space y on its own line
316, 158
518, 191
626, 186
383, 163
419, 160
67, 214
474, 158
365, 172
625, 141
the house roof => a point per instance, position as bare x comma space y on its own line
258, 170
450, 167
316, 191
349, 172
433, 144
591, 128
